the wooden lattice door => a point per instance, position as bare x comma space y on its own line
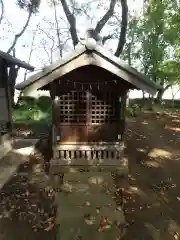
86, 116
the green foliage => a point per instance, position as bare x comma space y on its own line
170, 72
30, 109
44, 103
153, 42
134, 110
29, 5
176, 105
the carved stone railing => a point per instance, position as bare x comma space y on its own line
109, 155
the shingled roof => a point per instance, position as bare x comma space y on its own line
89, 53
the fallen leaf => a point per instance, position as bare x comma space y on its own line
49, 227
87, 203
178, 198
89, 219
98, 210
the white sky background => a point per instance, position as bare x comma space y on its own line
16, 19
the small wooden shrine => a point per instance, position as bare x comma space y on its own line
88, 91
9, 67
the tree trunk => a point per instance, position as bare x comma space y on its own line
72, 22
2, 11
17, 36
106, 17
57, 28
160, 94
124, 22
13, 72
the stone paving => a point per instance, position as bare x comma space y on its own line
86, 208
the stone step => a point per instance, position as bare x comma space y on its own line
78, 204
82, 205
91, 182
82, 213
78, 229
79, 198
85, 177
56, 168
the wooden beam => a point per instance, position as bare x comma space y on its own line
12, 60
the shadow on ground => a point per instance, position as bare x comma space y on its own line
26, 210
152, 196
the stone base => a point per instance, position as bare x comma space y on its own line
57, 167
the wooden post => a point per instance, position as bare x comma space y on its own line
122, 101
5, 84
53, 97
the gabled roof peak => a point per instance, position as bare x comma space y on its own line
91, 39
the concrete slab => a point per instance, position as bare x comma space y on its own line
10, 163
81, 209
5, 146
79, 229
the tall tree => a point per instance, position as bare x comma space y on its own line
31, 6
71, 18
2, 10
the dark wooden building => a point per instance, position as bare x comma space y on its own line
9, 67
88, 90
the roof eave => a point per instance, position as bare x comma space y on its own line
12, 60
148, 85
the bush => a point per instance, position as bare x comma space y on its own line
134, 110
30, 112
44, 103
177, 105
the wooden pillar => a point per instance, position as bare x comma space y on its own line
122, 117
5, 85
53, 98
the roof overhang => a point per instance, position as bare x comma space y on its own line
82, 56
10, 60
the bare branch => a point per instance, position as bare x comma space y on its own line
72, 22
57, 27
105, 38
2, 11
49, 55
31, 50
106, 17
17, 36
124, 22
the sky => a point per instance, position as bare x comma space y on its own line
15, 19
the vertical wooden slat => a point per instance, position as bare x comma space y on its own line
122, 115
53, 96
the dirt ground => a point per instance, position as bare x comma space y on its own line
151, 198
